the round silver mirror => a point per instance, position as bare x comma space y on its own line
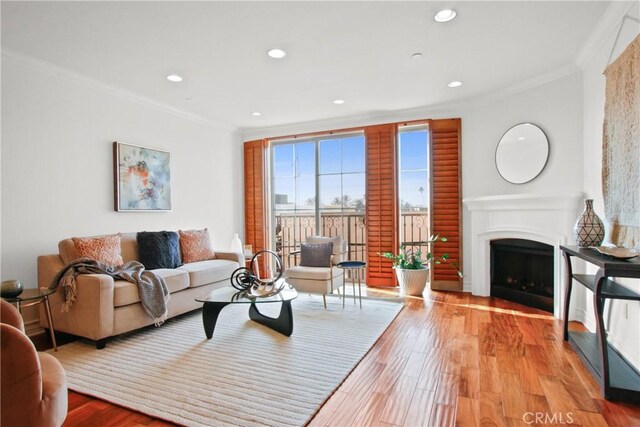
522, 153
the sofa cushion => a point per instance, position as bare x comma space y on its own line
126, 293
195, 245
105, 249
159, 249
205, 272
315, 255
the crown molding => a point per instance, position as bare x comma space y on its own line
603, 30
58, 71
443, 110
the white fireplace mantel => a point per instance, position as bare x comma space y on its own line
546, 218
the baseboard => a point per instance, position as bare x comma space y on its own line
589, 322
580, 315
467, 286
443, 285
33, 328
622, 348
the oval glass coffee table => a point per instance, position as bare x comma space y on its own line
216, 300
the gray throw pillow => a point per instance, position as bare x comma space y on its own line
315, 255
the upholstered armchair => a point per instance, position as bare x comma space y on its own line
315, 271
34, 385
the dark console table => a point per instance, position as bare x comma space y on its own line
618, 379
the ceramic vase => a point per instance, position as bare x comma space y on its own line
589, 230
412, 282
236, 244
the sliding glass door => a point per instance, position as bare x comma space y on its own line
293, 194
318, 188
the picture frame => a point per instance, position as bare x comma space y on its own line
142, 178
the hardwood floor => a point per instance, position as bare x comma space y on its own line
449, 359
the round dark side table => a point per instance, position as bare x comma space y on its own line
357, 268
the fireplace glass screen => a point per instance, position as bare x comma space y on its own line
522, 271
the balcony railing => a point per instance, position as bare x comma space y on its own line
291, 230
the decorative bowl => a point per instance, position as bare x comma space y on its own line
620, 253
11, 288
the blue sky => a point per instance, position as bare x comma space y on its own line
341, 168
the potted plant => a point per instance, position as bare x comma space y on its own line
412, 268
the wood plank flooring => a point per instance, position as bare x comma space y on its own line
450, 359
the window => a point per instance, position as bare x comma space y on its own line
299, 187
414, 185
318, 188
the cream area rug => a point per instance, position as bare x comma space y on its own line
246, 375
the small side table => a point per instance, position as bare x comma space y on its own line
356, 267
31, 297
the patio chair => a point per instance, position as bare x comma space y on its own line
315, 270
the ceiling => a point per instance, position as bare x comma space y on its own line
357, 51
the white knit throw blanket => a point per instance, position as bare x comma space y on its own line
154, 294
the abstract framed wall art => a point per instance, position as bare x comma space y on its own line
142, 178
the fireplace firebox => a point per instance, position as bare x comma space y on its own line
522, 272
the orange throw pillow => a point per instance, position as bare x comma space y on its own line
105, 249
195, 245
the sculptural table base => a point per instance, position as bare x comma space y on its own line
282, 324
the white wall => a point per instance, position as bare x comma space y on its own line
556, 108
57, 166
623, 332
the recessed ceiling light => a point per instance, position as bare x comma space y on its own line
276, 53
416, 55
339, 101
174, 78
445, 15
256, 114
455, 84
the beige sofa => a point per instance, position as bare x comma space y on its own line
106, 307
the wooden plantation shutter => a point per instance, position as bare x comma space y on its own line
255, 224
381, 202
446, 200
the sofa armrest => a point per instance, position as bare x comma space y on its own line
231, 256
48, 267
91, 315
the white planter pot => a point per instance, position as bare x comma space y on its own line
412, 282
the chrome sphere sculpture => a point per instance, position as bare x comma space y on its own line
245, 280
